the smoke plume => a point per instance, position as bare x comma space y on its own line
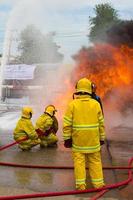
121, 34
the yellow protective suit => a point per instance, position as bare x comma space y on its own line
84, 124
25, 129
47, 123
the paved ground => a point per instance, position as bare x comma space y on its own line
15, 181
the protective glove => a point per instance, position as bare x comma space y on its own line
68, 143
39, 132
47, 132
102, 142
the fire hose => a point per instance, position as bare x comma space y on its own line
71, 192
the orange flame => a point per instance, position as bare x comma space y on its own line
107, 66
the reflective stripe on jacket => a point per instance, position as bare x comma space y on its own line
25, 128
84, 123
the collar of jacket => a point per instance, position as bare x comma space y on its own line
84, 97
48, 114
25, 118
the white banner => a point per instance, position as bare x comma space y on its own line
19, 72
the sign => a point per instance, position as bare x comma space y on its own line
18, 72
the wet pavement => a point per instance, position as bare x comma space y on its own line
18, 181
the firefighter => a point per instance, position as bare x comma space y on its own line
95, 96
83, 130
47, 127
25, 130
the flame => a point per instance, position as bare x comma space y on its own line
107, 66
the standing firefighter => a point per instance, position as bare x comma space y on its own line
83, 130
25, 130
47, 127
95, 96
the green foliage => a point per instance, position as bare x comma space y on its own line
35, 47
105, 17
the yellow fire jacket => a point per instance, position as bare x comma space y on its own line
44, 122
24, 128
84, 123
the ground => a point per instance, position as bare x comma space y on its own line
16, 181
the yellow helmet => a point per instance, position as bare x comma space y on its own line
84, 85
26, 112
50, 109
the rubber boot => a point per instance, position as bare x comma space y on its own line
24, 148
43, 144
99, 186
81, 187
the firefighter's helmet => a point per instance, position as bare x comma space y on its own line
84, 85
27, 112
50, 109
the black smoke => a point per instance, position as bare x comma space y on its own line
121, 34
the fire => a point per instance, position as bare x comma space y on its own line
107, 66
110, 68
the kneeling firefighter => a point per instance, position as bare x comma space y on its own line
83, 131
25, 130
47, 127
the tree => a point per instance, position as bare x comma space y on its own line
34, 47
105, 17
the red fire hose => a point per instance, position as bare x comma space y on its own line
100, 194
50, 194
7, 146
12, 144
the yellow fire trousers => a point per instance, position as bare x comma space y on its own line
28, 144
95, 168
49, 140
